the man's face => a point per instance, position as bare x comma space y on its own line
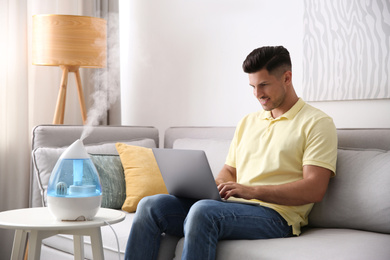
268, 89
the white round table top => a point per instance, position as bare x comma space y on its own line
42, 219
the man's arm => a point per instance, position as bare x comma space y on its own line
310, 189
227, 174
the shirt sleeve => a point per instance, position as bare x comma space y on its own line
321, 145
231, 157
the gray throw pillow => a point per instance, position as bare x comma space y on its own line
112, 179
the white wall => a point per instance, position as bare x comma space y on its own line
181, 62
358, 114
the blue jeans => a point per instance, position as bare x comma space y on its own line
203, 223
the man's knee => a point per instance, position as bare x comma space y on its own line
201, 213
200, 208
150, 204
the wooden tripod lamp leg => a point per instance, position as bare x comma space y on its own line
26, 252
81, 96
60, 107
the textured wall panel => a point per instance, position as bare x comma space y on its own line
346, 50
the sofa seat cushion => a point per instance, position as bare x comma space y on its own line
316, 243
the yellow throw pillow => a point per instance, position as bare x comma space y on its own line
142, 175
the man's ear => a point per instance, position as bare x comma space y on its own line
287, 77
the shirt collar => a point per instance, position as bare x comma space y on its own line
290, 114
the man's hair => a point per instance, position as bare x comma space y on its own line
275, 59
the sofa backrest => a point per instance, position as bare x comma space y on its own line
358, 197
63, 135
49, 141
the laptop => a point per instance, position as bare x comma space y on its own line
187, 174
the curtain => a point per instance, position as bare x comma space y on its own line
104, 84
14, 120
28, 93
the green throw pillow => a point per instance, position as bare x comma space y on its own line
112, 179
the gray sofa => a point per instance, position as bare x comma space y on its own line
352, 221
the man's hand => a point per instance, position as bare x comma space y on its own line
310, 189
229, 189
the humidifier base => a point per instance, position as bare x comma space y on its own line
74, 209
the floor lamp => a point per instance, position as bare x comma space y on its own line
70, 42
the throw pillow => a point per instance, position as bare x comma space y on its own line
142, 175
112, 179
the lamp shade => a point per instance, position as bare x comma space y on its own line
69, 40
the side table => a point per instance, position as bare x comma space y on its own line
41, 224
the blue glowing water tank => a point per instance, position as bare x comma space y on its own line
74, 191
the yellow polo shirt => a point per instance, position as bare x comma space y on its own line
273, 151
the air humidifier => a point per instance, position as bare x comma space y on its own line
74, 192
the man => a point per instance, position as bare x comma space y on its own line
282, 157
